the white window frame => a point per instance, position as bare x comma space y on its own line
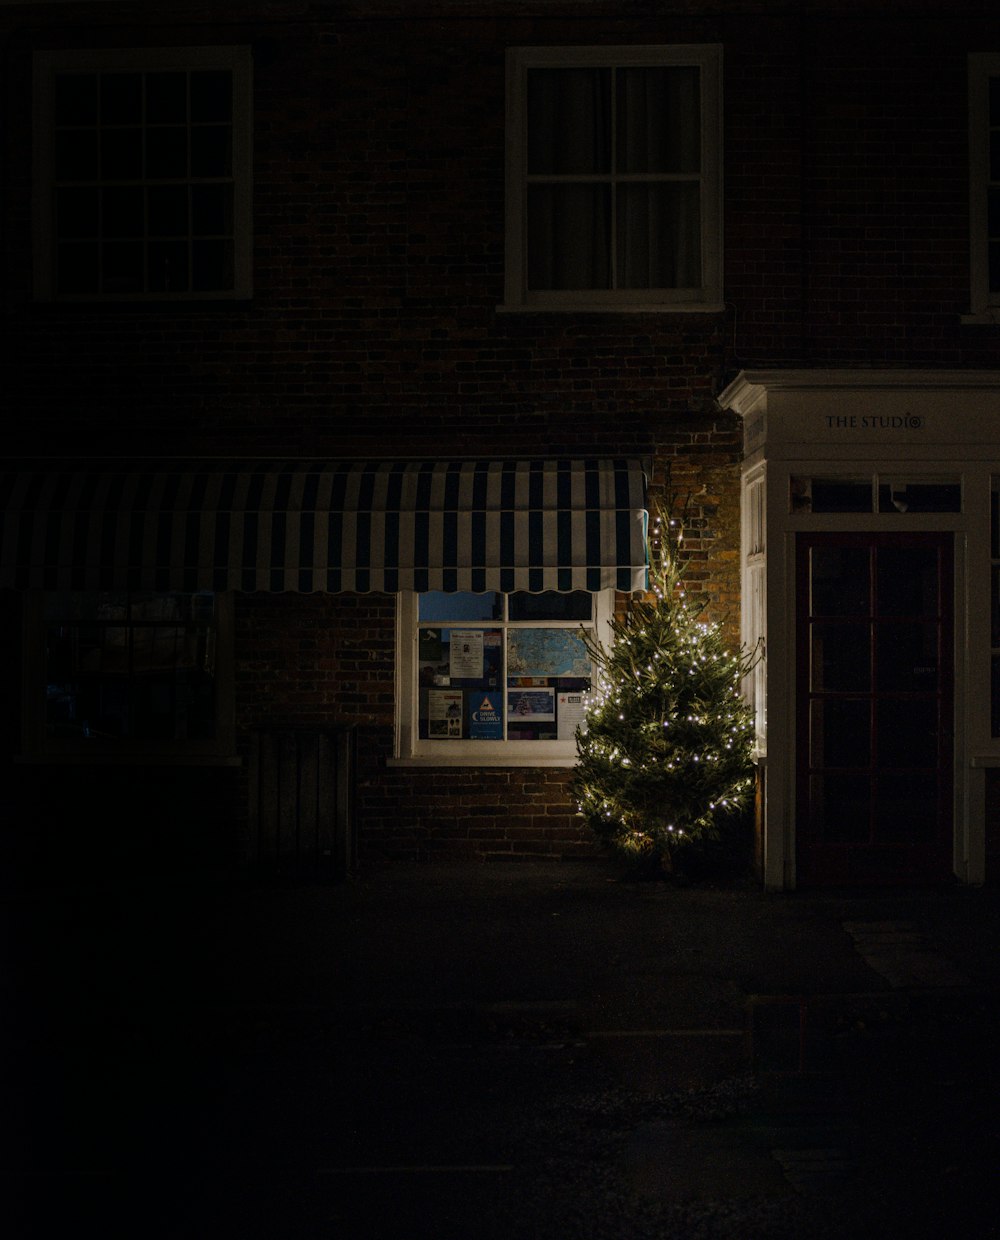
984, 306
410, 750
37, 746
47, 64
709, 297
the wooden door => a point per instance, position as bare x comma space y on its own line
874, 708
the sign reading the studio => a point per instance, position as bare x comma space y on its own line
874, 422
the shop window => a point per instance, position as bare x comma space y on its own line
496, 677
984, 185
143, 174
614, 178
118, 674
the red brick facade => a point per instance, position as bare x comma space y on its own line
374, 329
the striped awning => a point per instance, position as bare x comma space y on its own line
480, 525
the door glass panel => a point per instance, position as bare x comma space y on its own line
840, 808
906, 807
907, 732
840, 732
840, 581
840, 657
907, 581
906, 658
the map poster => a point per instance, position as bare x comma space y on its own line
571, 715
444, 714
485, 719
531, 705
466, 654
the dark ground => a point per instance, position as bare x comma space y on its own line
499, 1053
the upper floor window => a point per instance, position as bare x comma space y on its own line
614, 178
984, 184
142, 173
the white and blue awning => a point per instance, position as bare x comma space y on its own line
479, 525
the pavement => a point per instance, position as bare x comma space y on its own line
499, 1052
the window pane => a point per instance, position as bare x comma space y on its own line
168, 211
122, 211
840, 581
840, 732
659, 236
839, 495
77, 267
995, 100
121, 154
168, 266
550, 605
920, 497
77, 213
437, 605
569, 121
906, 807
212, 265
907, 732
658, 120
166, 153
139, 668
841, 660
166, 98
569, 237
76, 99
211, 209
121, 98
211, 151
76, 155
906, 657
121, 267
840, 807
212, 95
907, 581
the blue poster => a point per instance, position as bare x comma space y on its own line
485, 717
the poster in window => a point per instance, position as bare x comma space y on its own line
485, 719
466, 654
547, 652
431, 649
531, 705
444, 714
571, 714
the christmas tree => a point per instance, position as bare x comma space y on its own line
664, 753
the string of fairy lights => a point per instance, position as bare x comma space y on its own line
664, 749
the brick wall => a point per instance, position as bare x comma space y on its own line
378, 270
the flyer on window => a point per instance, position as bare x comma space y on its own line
444, 714
466, 654
531, 705
485, 719
571, 714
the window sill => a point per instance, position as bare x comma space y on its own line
487, 760
688, 307
126, 759
990, 317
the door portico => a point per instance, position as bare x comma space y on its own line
871, 584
